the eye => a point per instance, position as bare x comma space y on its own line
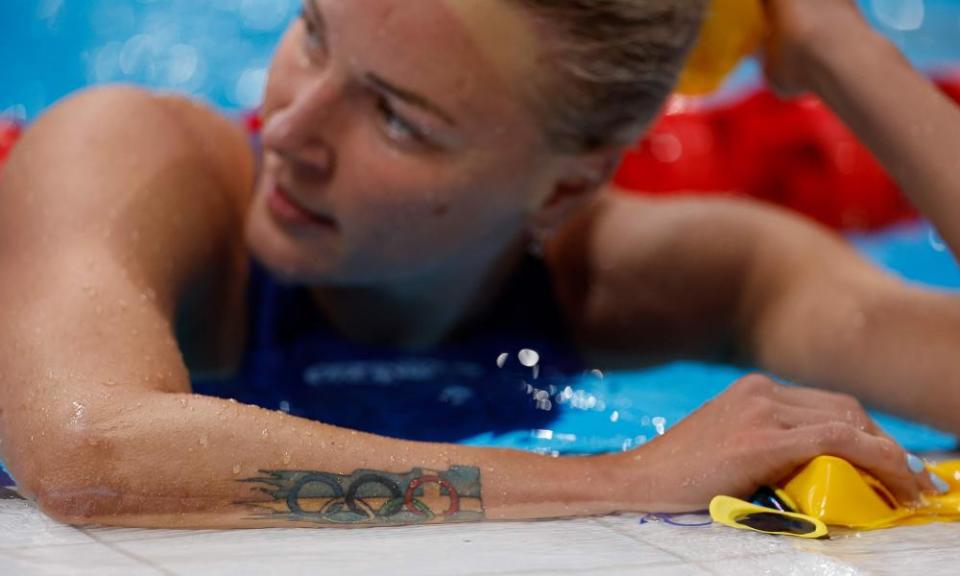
398, 128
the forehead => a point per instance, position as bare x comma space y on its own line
473, 55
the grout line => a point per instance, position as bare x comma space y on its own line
639, 539
126, 553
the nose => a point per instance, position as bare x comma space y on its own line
300, 131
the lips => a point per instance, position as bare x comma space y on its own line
288, 210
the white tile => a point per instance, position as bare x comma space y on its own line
929, 550
648, 570
503, 548
23, 525
803, 564
77, 559
31, 545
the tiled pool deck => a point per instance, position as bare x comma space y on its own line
31, 544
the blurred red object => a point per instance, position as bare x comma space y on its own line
252, 122
9, 132
796, 154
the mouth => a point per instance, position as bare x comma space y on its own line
287, 210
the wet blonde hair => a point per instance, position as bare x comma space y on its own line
611, 65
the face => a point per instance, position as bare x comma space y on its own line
397, 140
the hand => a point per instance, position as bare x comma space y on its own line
801, 33
757, 433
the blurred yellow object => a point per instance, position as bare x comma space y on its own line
732, 30
839, 494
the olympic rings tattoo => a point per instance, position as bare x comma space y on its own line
369, 497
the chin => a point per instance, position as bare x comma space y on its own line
291, 261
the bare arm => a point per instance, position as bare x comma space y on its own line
833, 321
707, 278
826, 47
653, 280
115, 207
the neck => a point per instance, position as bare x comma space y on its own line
420, 312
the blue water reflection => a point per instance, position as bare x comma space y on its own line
219, 49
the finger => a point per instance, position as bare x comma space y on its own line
796, 417
881, 457
843, 407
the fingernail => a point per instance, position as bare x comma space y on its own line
942, 486
914, 464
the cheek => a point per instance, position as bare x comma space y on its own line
418, 211
283, 71
392, 186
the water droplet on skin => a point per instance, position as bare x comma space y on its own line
78, 411
528, 358
265, 433
236, 469
502, 359
286, 457
183, 401
204, 441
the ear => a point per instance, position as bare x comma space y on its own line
578, 180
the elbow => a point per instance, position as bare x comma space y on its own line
77, 504
71, 479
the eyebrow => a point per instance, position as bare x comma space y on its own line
382, 85
318, 21
379, 83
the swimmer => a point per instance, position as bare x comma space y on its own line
413, 155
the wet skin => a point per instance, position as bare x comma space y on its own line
405, 222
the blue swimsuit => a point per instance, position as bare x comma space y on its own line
296, 363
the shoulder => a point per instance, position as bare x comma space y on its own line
667, 273
153, 188
118, 173
118, 151
124, 121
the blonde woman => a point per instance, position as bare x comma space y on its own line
412, 152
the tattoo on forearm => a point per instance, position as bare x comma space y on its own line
368, 496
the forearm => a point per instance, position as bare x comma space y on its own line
841, 324
911, 127
193, 461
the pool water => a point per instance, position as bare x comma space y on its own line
219, 51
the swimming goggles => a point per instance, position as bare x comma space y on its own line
771, 511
